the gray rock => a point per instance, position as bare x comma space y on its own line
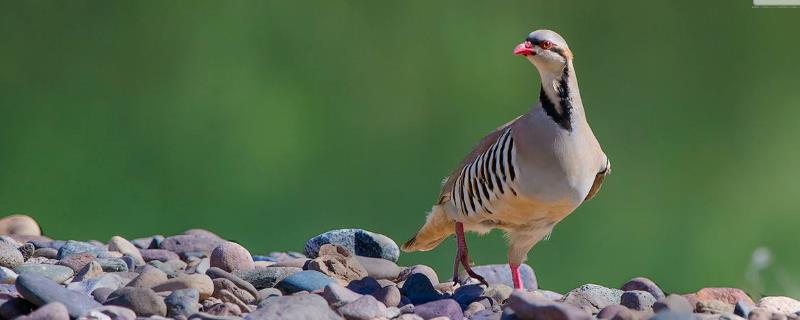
388, 295
266, 277
27, 249
592, 297
183, 303
743, 308
113, 312
380, 268
91, 270
486, 315
673, 315
637, 300
365, 308
501, 273
358, 241
673, 302
112, 264
153, 242
499, 292
208, 316
102, 294
7, 276
40, 290
440, 308
300, 307
336, 295
50, 311
185, 245
145, 302
267, 293
528, 305
48, 253
59, 274
88, 286
167, 268
10, 257
307, 280
73, 247
419, 289
643, 284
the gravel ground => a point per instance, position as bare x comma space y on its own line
343, 274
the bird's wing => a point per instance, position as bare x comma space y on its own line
479, 150
598, 180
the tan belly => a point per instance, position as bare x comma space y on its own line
518, 213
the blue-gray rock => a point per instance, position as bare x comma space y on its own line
87, 286
267, 293
40, 291
360, 242
592, 297
191, 245
48, 253
183, 302
419, 289
112, 264
10, 257
72, 247
129, 262
153, 242
637, 300
440, 308
467, 294
486, 315
501, 273
300, 307
529, 305
113, 312
643, 284
266, 277
145, 302
742, 309
307, 280
367, 285
336, 295
57, 273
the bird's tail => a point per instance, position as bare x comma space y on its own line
437, 227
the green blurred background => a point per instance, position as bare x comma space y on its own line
269, 122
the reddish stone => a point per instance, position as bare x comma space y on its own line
727, 295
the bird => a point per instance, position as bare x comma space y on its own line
528, 174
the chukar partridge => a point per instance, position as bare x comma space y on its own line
527, 175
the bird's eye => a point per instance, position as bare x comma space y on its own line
546, 44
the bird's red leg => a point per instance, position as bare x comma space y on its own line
515, 276
462, 256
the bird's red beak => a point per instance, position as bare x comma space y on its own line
525, 49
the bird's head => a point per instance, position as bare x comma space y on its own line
546, 49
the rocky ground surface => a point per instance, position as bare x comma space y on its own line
343, 274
